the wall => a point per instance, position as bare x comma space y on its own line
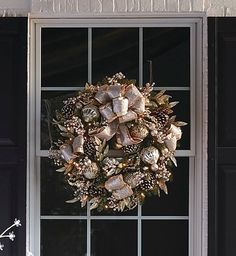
22, 7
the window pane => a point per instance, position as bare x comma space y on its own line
115, 213
63, 238
50, 102
169, 50
167, 238
176, 202
115, 50
114, 238
182, 112
64, 57
55, 192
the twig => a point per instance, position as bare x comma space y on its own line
10, 235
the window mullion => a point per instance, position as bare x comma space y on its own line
90, 55
90, 81
140, 56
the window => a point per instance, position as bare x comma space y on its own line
64, 55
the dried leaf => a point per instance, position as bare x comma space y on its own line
173, 159
112, 171
122, 205
67, 135
163, 99
172, 119
104, 143
180, 123
62, 169
127, 201
62, 128
97, 140
159, 94
74, 200
94, 202
163, 187
172, 104
106, 150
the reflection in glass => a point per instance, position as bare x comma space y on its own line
168, 237
63, 238
169, 50
176, 202
55, 192
50, 102
114, 238
115, 50
64, 57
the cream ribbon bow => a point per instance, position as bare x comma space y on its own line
119, 104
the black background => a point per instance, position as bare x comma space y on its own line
13, 112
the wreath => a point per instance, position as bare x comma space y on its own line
116, 143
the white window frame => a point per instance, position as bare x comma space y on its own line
198, 149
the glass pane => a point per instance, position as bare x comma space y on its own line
176, 202
115, 50
63, 238
50, 102
115, 213
167, 238
55, 192
169, 50
114, 238
182, 112
64, 57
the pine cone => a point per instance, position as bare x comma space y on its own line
131, 149
89, 148
161, 117
94, 192
68, 110
147, 185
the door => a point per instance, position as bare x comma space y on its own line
222, 136
13, 98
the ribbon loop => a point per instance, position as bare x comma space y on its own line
120, 104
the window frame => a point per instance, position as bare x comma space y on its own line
197, 154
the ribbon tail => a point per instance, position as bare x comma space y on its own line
106, 133
124, 138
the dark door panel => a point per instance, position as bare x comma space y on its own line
222, 136
13, 126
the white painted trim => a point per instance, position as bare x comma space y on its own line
117, 22
198, 216
204, 166
179, 153
166, 88
98, 15
94, 217
10, 12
